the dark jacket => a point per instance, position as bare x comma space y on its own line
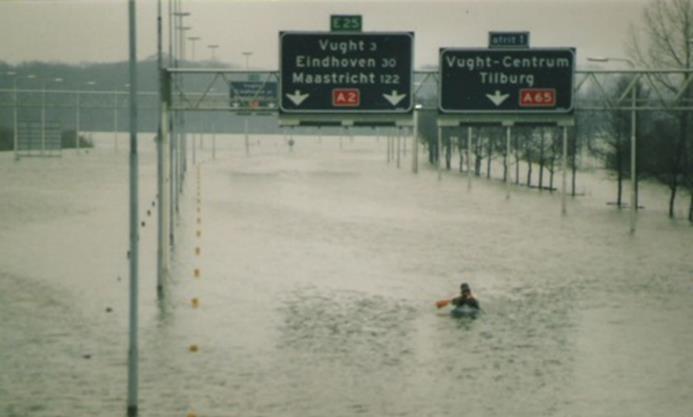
469, 301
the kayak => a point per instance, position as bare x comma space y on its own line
464, 311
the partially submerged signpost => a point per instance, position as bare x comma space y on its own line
508, 86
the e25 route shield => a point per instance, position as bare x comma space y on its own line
506, 81
347, 73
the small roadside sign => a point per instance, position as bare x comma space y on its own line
254, 94
508, 40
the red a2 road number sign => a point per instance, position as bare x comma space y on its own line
537, 97
346, 97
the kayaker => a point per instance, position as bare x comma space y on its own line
465, 298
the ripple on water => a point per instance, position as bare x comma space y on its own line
350, 327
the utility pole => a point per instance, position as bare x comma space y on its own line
133, 354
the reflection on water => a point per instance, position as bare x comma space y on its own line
320, 269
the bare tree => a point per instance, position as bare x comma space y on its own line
663, 40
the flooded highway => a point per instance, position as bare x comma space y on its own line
319, 269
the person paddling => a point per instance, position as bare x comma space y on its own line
465, 299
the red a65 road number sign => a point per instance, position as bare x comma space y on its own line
537, 97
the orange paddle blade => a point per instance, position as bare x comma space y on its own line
442, 303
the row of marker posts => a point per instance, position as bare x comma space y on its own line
396, 148
197, 274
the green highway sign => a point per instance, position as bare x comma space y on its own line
493, 81
346, 23
346, 73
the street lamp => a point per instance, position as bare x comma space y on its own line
192, 40
247, 55
78, 107
15, 135
633, 98
43, 114
212, 49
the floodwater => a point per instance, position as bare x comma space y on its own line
319, 270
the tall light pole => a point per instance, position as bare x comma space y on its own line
133, 353
633, 115
181, 145
247, 55
78, 115
212, 49
30, 77
43, 115
91, 85
15, 136
177, 151
192, 40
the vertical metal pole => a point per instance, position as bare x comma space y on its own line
399, 146
161, 164
134, 220
194, 153
247, 143
507, 161
440, 147
115, 119
415, 144
43, 119
214, 140
633, 168
469, 160
387, 149
172, 127
164, 189
77, 124
14, 121
404, 143
564, 167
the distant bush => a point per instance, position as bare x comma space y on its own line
6, 139
67, 139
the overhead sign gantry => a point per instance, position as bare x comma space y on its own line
363, 77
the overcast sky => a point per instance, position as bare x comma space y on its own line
74, 31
